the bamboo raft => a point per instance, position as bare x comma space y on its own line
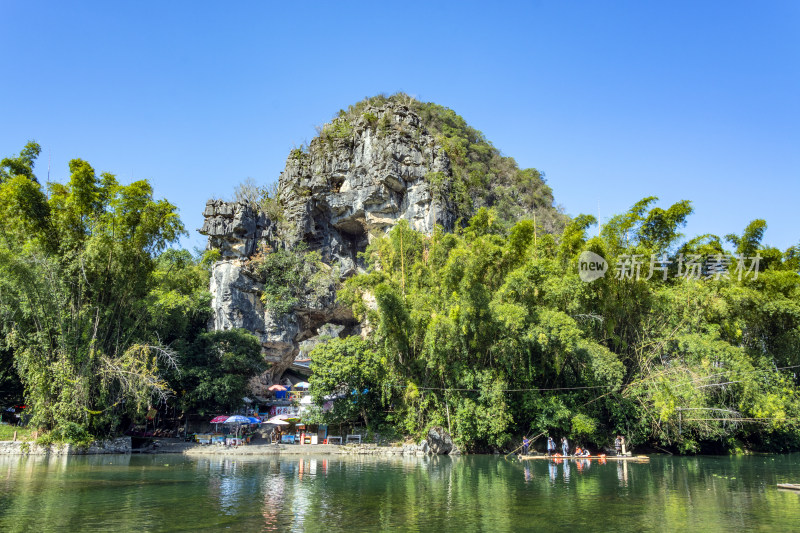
631, 458
789, 486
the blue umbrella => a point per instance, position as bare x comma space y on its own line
254, 419
238, 419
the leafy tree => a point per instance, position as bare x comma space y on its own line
75, 269
750, 241
352, 371
22, 165
293, 277
217, 369
179, 302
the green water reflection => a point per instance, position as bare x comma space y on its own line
474, 493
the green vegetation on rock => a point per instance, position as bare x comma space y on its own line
482, 176
292, 278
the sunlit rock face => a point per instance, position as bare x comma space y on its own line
350, 185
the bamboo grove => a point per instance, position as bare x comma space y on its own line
491, 333
100, 320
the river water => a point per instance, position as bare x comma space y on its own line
366, 493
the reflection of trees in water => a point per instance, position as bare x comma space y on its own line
231, 482
470, 493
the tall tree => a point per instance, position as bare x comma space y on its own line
75, 266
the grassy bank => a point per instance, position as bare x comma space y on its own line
7, 432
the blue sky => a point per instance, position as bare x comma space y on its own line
614, 101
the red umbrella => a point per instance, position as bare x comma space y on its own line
218, 420
276, 387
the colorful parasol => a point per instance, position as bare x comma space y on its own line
218, 420
237, 419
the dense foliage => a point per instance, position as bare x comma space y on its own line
492, 333
217, 369
351, 370
96, 315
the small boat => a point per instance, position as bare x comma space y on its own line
633, 458
789, 486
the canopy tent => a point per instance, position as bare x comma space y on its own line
284, 418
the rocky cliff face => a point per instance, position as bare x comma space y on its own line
357, 180
354, 182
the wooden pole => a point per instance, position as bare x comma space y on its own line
520, 446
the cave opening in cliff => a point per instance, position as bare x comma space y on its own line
336, 183
355, 238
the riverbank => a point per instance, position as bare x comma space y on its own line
296, 449
122, 445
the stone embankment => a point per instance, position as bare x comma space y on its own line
122, 445
374, 449
313, 449
261, 449
422, 449
119, 445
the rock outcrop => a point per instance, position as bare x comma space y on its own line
346, 189
354, 182
439, 442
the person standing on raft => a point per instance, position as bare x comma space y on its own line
525, 445
619, 445
565, 446
551, 446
